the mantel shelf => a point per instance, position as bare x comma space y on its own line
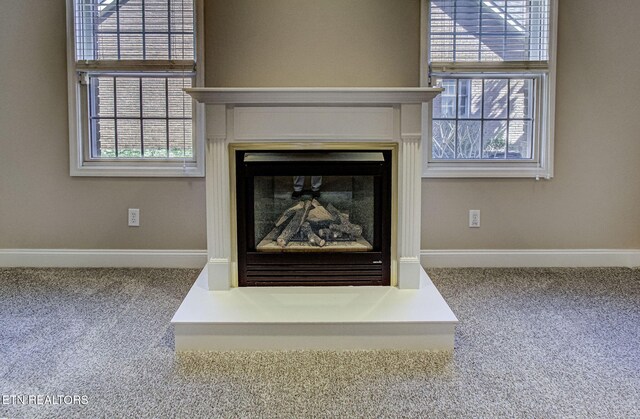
314, 96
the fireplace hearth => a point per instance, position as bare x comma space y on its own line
335, 232
353, 220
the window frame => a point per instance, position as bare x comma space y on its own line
81, 164
467, 99
541, 164
537, 81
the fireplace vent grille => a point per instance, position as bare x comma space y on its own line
317, 274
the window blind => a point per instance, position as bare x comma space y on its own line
134, 30
488, 31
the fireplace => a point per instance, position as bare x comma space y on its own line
275, 120
313, 217
365, 145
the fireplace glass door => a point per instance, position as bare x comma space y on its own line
313, 217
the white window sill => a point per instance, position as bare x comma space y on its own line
102, 170
488, 170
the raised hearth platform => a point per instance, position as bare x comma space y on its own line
293, 318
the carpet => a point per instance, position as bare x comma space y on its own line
530, 343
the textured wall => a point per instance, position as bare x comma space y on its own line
591, 203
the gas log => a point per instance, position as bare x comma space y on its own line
313, 222
352, 230
319, 214
288, 213
312, 237
273, 234
345, 225
329, 234
294, 225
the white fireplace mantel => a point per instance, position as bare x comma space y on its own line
218, 315
313, 95
326, 117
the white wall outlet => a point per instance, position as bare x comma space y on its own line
474, 218
134, 217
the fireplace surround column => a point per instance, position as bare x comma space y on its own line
409, 216
409, 194
218, 201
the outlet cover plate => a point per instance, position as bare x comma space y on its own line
134, 217
474, 218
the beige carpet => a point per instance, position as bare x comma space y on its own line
531, 343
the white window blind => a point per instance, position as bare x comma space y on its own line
134, 30
467, 31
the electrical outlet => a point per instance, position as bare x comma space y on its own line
474, 218
134, 217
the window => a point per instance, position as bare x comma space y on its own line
129, 61
494, 60
483, 118
450, 103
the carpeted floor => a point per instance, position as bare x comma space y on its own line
531, 343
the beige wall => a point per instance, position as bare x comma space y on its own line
591, 203
594, 199
312, 43
41, 206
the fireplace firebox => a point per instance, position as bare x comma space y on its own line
313, 217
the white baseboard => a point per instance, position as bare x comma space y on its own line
482, 258
534, 258
102, 258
